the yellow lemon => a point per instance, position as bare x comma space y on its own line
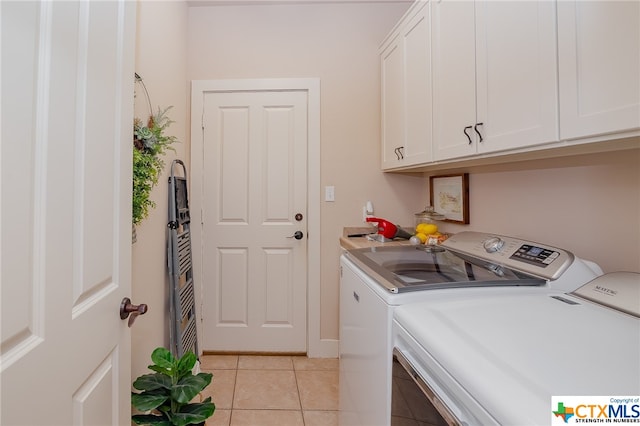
422, 237
427, 228
422, 227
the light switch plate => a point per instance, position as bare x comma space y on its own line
329, 193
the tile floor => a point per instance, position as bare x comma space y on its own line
252, 390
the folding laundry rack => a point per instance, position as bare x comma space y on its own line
182, 331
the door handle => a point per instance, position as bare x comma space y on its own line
298, 235
131, 311
476, 130
467, 134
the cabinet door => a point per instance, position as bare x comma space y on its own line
406, 92
454, 84
392, 76
516, 74
599, 67
416, 36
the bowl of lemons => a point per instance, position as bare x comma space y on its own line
427, 233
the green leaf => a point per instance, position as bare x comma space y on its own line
163, 358
186, 363
193, 413
150, 382
148, 400
165, 371
207, 377
188, 387
150, 419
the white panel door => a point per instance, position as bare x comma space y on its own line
599, 67
254, 184
67, 101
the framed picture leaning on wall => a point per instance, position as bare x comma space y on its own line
450, 196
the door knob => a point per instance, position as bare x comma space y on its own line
297, 235
128, 310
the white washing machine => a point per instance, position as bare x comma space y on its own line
500, 358
375, 281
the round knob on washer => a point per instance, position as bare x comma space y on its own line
493, 244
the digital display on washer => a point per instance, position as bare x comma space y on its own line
535, 255
534, 251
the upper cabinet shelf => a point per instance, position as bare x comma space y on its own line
509, 78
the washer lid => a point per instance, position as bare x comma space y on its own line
617, 290
412, 268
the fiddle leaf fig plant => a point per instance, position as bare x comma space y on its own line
166, 395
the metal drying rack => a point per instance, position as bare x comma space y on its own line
182, 331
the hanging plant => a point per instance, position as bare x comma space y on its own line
149, 145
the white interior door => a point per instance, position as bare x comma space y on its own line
67, 101
254, 199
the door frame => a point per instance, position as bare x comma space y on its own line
316, 346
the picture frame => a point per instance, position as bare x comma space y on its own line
450, 196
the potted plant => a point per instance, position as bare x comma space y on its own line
167, 393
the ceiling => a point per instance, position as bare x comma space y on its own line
274, 2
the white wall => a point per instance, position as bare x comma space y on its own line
338, 43
161, 62
587, 204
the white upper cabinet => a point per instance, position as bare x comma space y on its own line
393, 135
494, 76
406, 91
454, 79
516, 73
599, 67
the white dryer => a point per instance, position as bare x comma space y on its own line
499, 358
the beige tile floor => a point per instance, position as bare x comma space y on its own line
253, 390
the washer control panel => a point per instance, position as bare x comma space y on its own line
535, 255
525, 256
